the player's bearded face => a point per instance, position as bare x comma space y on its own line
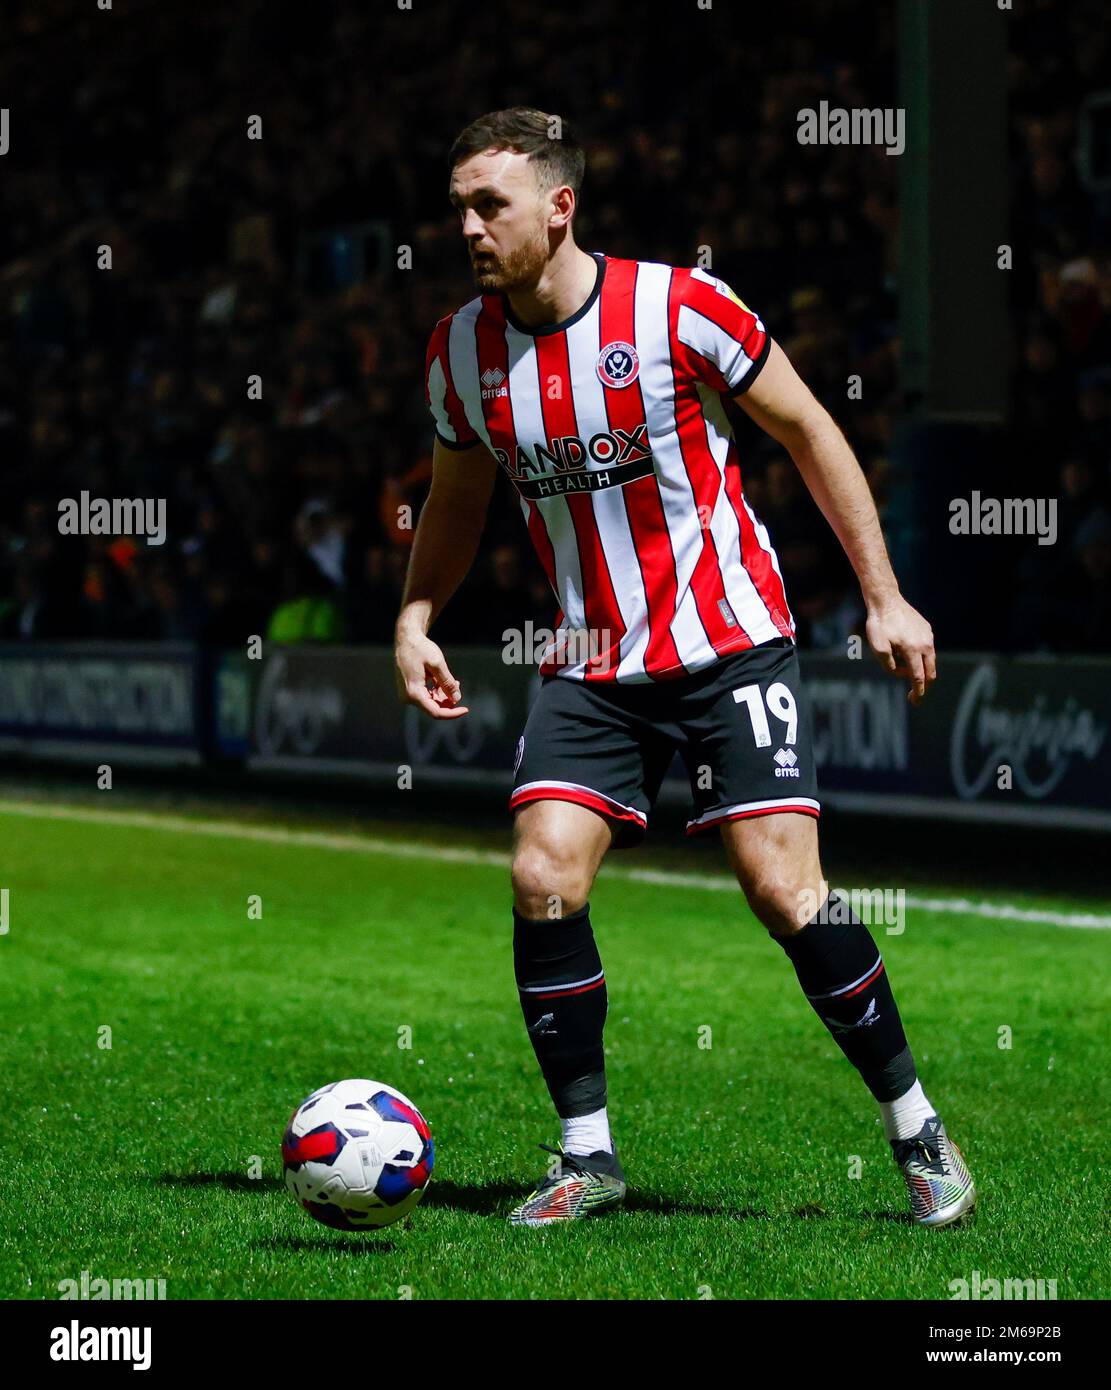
517, 266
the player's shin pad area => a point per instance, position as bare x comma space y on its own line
134, 1161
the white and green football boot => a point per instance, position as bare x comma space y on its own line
579, 1185
940, 1185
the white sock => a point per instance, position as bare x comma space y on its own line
903, 1118
586, 1134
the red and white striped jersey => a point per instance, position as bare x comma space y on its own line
612, 428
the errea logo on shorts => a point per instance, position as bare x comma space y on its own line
786, 758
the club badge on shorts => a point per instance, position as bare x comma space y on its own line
618, 365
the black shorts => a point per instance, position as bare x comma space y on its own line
741, 727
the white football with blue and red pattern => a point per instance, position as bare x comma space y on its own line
357, 1155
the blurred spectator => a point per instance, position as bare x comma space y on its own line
308, 611
31, 611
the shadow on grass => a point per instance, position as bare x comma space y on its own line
232, 1182
816, 1213
497, 1198
904, 1218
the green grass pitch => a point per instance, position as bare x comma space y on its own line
135, 1161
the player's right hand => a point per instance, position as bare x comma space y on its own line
423, 678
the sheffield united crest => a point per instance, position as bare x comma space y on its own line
618, 365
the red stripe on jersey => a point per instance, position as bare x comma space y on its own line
707, 581
493, 354
497, 411
643, 504
753, 555
741, 324
602, 612
438, 348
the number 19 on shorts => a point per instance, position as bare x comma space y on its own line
780, 703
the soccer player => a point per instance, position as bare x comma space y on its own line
597, 385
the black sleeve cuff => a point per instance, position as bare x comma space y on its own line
456, 443
756, 368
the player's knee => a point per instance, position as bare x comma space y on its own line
549, 881
773, 895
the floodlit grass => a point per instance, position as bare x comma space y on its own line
134, 1161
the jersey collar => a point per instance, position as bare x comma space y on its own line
545, 328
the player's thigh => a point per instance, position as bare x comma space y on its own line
747, 743
558, 847
591, 747
748, 752
777, 863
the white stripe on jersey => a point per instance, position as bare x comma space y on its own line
657, 387
463, 359
528, 423
706, 277
610, 516
437, 400
743, 595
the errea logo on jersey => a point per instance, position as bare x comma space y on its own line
618, 365
492, 379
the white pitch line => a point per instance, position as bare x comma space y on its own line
358, 844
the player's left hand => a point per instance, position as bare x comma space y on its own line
903, 642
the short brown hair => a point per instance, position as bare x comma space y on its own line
558, 159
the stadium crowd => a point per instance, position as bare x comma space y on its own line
278, 258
